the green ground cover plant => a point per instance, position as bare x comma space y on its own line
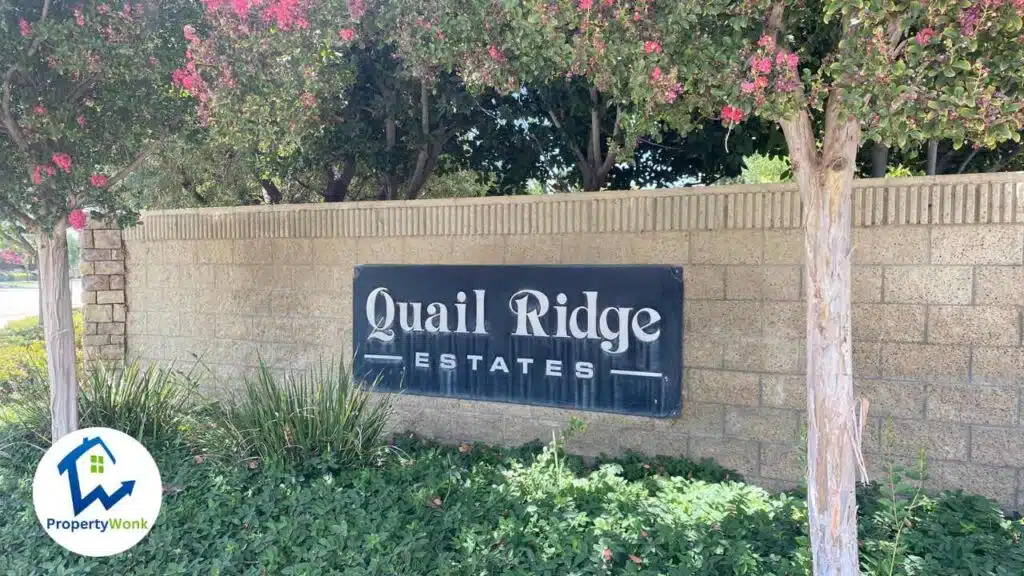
296, 477
475, 509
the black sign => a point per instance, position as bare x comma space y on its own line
606, 338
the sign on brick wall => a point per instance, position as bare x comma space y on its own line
605, 338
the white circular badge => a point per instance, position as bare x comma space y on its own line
97, 492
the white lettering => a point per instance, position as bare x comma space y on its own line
474, 359
479, 329
620, 336
584, 370
525, 363
407, 322
381, 328
553, 368
460, 313
448, 361
422, 360
524, 313
499, 364
591, 310
439, 315
640, 330
560, 310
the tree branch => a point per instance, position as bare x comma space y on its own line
9, 123
595, 126
27, 220
8, 118
127, 170
609, 160
568, 137
1013, 153
803, 152
967, 161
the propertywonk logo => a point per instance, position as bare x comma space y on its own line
97, 492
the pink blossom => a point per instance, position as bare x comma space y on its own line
8, 256
63, 160
732, 114
586, 4
24, 27
968, 19
76, 219
785, 84
792, 60
190, 34
153, 61
103, 9
356, 9
50, 170
496, 54
761, 82
99, 180
762, 65
286, 14
672, 92
767, 42
924, 36
748, 87
37, 175
652, 46
656, 74
80, 120
79, 17
40, 110
347, 34
607, 554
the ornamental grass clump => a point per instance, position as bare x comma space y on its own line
318, 416
151, 403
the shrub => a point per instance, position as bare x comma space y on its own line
28, 330
320, 415
152, 404
23, 353
484, 510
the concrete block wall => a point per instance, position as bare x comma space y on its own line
938, 293
103, 294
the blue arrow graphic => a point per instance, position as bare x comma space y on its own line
67, 465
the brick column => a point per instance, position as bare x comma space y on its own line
103, 291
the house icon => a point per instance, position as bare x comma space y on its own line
69, 465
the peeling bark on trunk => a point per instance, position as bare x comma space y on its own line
54, 285
826, 185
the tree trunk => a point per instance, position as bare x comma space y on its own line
933, 158
879, 160
826, 185
55, 287
271, 193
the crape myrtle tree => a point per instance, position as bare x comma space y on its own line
83, 102
890, 72
898, 73
566, 60
313, 92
